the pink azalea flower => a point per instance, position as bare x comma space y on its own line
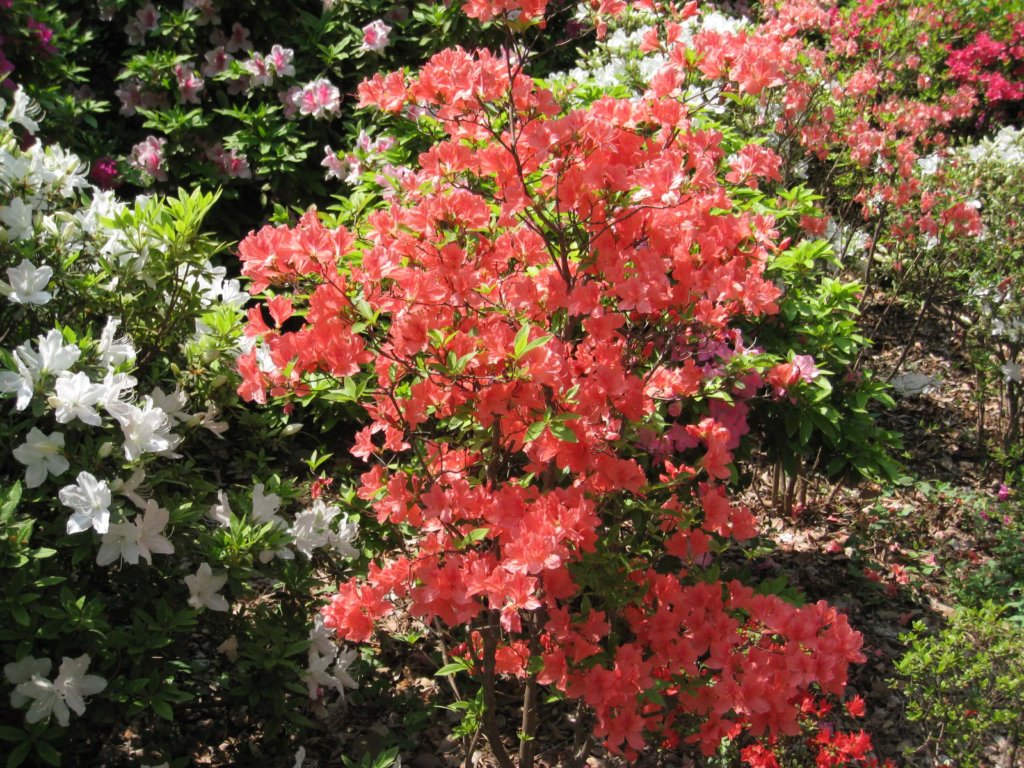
347, 169
189, 84
239, 40
217, 60
130, 96
45, 36
805, 365
259, 71
289, 99
148, 157
229, 162
319, 99
280, 61
375, 36
207, 11
146, 19
104, 173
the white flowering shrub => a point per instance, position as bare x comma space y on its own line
150, 557
981, 278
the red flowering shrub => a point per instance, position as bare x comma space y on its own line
995, 67
540, 326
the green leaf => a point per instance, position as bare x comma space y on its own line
534, 431
50, 755
563, 432
20, 615
162, 708
477, 534
451, 669
522, 338
11, 502
12, 734
18, 754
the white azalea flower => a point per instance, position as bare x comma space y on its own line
46, 701
142, 537
53, 358
16, 218
22, 383
173, 404
311, 526
27, 283
120, 542
1012, 371
116, 386
345, 659
23, 109
151, 524
68, 690
317, 676
312, 530
90, 498
41, 454
128, 488
265, 506
146, 429
320, 638
269, 554
232, 294
203, 587
220, 512
74, 685
113, 351
74, 398
22, 671
342, 540
208, 420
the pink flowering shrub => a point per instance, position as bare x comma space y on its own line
542, 326
264, 84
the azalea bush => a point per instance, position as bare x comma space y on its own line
963, 685
989, 295
541, 326
824, 425
255, 97
43, 47
999, 577
147, 562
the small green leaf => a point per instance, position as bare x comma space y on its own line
563, 432
20, 615
534, 431
451, 669
18, 754
12, 734
50, 755
477, 534
162, 708
522, 338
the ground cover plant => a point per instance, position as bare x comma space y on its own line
511, 383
